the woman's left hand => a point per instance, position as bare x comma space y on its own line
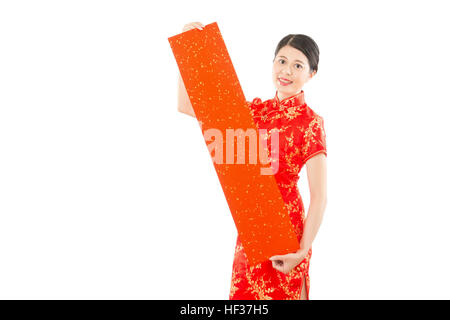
285, 263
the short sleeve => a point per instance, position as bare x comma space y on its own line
314, 139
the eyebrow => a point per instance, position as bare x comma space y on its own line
295, 60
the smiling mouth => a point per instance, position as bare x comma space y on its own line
284, 81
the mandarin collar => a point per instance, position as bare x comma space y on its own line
295, 100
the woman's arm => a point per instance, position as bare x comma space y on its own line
184, 103
317, 178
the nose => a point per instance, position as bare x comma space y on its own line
287, 71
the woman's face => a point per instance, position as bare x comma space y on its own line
290, 64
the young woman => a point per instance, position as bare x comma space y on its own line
302, 141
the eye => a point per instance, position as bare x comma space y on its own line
298, 65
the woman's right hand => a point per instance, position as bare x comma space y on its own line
184, 102
193, 25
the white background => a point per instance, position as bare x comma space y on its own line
106, 191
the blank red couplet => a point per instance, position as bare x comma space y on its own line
254, 199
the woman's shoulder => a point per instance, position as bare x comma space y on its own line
258, 101
310, 114
305, 118
312, 122
257, 106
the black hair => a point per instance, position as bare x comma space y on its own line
305, 44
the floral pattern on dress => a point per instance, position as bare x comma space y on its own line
301, 137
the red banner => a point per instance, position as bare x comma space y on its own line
255, 202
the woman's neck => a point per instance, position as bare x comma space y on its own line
281, 96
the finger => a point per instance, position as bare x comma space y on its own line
280, 269
274, 258
277, 266
279, 262
283, 268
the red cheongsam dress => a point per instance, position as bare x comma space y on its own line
301, 137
